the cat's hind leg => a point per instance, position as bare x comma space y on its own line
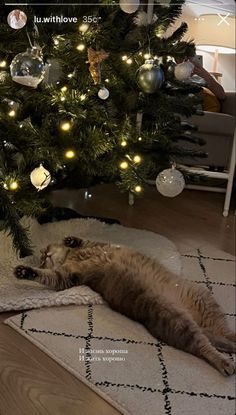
221, 343
177, 328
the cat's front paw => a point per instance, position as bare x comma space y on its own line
72, 242
25, 273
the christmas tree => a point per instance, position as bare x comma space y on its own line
109, 112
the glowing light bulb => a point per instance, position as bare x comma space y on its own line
70, 154
140, 139
137, 159
124, 165
124, 58
107, 80
56, 42
12, 113
64, 89
80, 47
83, 27
63, 99
70, 75
5, 186
3, 64
82, 97
129, 61
65, 126
21, 125
147, 56
123, 143
13, 185
138, 189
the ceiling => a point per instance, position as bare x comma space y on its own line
196, 8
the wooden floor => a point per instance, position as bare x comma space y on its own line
30, 382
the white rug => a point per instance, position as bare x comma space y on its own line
149, 378
22, 295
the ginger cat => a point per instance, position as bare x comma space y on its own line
174, 310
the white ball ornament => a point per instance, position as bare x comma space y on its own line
183, 70
103, 93
40, 177
170, 182
129, 6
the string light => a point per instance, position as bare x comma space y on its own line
21, 125
65, 126
64, 89
138, 188
124, 165
12, 113
140, 139
129, 61
83, 27
107, 80
80, 47
137, 159
5, 186
63, 99
3, 64
147, 56
123, 143
13, 185
124, 58
70, 154
82, 97
70, 75
56, 42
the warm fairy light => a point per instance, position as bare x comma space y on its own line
123, 143
138, 188
83, 27
21, 125
129, 61
107, 80
56, 42
5, 186
137, 159
80, 47
140, 139
13, 185
70, 75
82, 97
63, 99
65, 126
140, 53
3, 64
70, 154
124, 165
124, 58
12, 113
64, 89
147, 56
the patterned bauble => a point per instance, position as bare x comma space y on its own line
129, 6
184, 70
170, 182
40, 177
103, 93
150, 77
27, 68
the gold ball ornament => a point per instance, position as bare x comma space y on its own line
40, 177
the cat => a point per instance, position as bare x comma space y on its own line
174, 310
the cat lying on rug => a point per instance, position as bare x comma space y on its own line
175, 311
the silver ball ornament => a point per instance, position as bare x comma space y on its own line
40, 177
150, 77
183, 70
129, 6
103, 93
170, 182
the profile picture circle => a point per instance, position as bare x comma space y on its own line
17, 19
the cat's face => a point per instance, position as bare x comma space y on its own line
53, 256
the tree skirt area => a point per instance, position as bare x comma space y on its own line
22, 295
147, 376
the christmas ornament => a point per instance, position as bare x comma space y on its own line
40, 177
170, 70
142, 19
150, 77
170, 182
103, 93
95, 58
129, 6
27, 68
183, 70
